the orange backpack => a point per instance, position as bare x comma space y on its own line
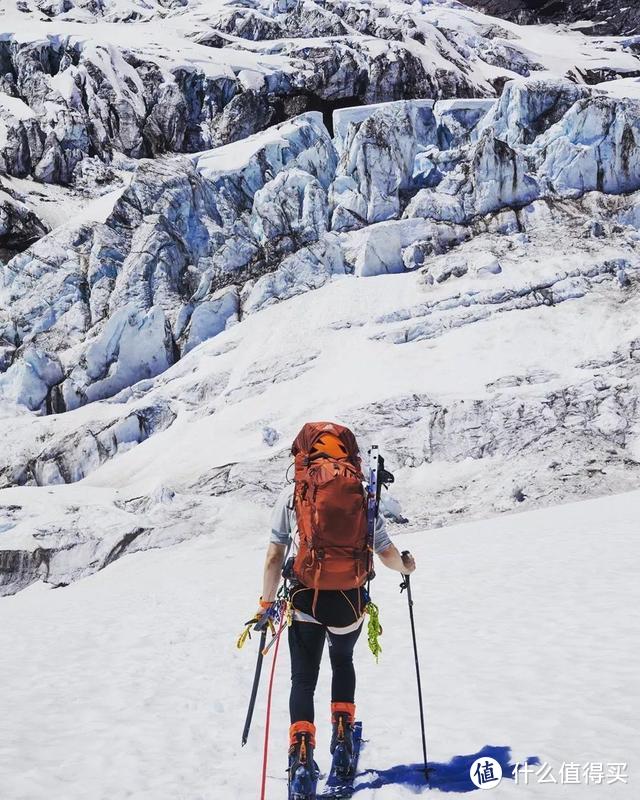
331, 509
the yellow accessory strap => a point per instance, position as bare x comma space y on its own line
246, 633
374, 629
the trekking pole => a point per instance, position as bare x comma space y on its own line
406, 584
254, 688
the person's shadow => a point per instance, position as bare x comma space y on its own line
450, 777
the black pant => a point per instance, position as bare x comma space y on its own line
306, 643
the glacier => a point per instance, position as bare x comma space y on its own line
222, 218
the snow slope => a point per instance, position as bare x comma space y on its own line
127, 684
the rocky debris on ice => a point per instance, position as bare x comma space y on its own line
309, 268
19, 225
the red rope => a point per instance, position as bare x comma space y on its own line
266, 729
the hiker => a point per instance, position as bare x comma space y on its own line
322, 518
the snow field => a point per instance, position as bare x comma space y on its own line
127, 684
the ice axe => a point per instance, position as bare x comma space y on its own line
262, 627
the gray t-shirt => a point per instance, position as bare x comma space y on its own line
284, 524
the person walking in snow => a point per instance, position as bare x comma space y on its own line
320, 520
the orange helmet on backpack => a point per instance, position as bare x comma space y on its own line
328, 444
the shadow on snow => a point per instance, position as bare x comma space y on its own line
450, 777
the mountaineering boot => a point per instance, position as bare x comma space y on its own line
303, 771
341, 748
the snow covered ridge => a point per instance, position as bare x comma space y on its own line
596, 17
127, 78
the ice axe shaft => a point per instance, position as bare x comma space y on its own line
254, 688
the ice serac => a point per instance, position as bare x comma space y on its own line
238, 170
21, 139
544, 137
528, 108
27, 381
594, 146
72, 96
210, 317
377, 161
181, 231
133, 345
458, 119
289, 212
379, 249
496, 177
